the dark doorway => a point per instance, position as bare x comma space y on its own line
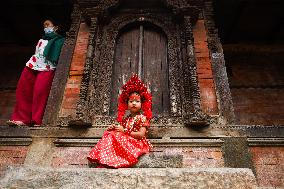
142, 49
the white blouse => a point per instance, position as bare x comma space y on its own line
38, 61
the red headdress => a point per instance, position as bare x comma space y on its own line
134, 85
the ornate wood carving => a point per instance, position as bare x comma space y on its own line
94, 104
102, 8
192, 106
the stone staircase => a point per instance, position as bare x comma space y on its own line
127, 178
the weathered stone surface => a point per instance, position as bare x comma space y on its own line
155, 160
236, 153
39, 152
30, 177
159, 160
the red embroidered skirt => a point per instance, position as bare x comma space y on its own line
117, 149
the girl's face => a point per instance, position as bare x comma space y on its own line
49, 24
134, 103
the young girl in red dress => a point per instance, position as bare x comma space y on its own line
122, 144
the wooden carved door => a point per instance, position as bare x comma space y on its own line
142, 49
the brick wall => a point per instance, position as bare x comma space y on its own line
72, 89
269, 165
70, 157
197, 156
256, 81
12, 155
204, 69
259, 106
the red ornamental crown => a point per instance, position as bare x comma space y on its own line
134, 85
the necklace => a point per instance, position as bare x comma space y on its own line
131, 124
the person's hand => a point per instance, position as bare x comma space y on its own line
112, 127
118, 128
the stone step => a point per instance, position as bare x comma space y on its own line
160, 160
127, 178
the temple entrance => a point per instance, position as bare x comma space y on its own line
142, 49
155, 47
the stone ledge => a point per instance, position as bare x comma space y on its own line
97, 132
15, 141
31, 177
265, 141
213, 131
164, 142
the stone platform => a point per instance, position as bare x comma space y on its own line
126, 178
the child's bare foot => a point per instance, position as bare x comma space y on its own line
15, 123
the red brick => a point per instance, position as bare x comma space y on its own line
69, 103
205, 74
203, 59
74, 80
72, 89
67, 112
12, 155
269, 165
208, 96
257, 106
73, 85
203, 157
70, 157
204, 69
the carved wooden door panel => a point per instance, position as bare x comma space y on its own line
142, 49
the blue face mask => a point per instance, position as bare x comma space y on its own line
48, 30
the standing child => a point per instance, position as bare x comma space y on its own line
36, 79
122, 144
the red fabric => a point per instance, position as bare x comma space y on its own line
31, 95
117, 149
